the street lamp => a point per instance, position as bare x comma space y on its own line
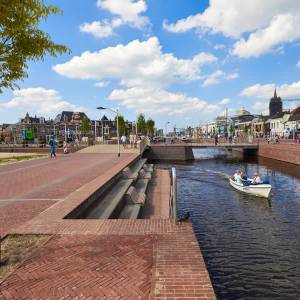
167, 128
117, 113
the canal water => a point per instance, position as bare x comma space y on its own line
251, 245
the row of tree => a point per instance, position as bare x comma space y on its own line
144, 127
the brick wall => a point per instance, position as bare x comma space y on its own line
285, 152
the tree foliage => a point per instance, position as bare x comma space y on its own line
122, 127
150, 124
21, 39
85, 126
141, 124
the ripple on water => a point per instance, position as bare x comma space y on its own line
251, 245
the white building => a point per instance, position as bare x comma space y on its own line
277, 124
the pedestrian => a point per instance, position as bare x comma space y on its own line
131, 140
216, 139
135, 139
52, 144
123, 141
65, 147
277, 139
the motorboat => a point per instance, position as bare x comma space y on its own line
260, 190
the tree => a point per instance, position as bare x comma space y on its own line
21, 39
150, 127
85, 125
122, 127
141, 124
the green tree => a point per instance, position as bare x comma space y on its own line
122, 127
85, 126
150, 124
141, 124
21, 39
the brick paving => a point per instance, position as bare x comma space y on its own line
159, 189
87, 267
99, 259
14, 214
54, 178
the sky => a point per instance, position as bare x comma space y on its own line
178, 61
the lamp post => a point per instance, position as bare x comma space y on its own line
167, 128
117, 113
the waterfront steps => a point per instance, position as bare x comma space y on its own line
105, 208
124, 197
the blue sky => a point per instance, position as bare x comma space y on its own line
182, 61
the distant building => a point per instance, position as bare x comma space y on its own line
277, 123
275, 105
70, 117
292, 125
242, 123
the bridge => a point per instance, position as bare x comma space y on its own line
184, 151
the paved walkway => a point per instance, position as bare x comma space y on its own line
95, 259
27, 188
109, 148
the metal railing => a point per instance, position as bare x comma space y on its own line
173, 197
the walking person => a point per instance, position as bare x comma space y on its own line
216, 139
52, 144
65, 147
123, 141
131, 140
135, 139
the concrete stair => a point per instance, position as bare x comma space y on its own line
112, 201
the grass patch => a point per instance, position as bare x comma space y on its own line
19, 158
15, 248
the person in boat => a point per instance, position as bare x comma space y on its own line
256, 179
238, 177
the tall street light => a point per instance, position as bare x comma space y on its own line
117, 113
167, 127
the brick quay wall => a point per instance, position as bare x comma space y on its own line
289, 153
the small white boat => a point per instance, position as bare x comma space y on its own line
260, 190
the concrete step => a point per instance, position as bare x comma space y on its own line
105, 208
141, 185
130, 211
132, 172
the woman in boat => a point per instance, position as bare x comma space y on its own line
256, 179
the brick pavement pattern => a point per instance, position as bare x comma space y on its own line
53, 178
85, 267
14, 214
98, 259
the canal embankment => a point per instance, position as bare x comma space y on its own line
151, 258
289, 153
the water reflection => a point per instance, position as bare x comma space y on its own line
251, 245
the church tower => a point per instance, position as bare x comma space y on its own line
275, 105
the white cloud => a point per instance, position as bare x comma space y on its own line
161, 102
101, 84
298, 64
135, 64
217, 77
266, 91
219, 47
224, 101
98, 29
39, 100
261, 105
129, 12
268, 23
282, 28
